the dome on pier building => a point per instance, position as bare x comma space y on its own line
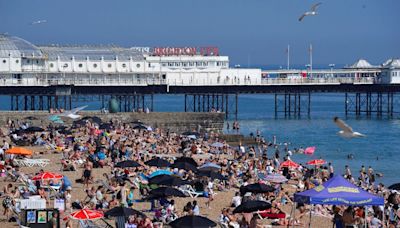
12, 46
361, 64
391, 63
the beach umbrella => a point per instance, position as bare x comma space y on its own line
210, 166
137, 122
394, 186
184, 165
160, 172
19, 151
54, 118
166, 192
33, 129
31, 118
93, 119
47, 176
275, 178
191, 133
140, 127
256, 188
187, 159
190, 221
192, 137
252, 206
309, 150
106, 126
167, 180
289, 164
316, 162
158, 162
217, 144
127, 163
86, 214
211, 174
123, 211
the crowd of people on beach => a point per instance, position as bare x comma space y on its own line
87, 146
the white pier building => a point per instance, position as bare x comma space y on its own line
23, 63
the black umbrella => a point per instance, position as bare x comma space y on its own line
158, 162
187, 159
33, 129
184, 165
165, 192
127, 163
140, 127
93, 119
191, 133
394, 186
211, 174
256, 188
65, 132
106, 126
123, 211
167, 180
137, 122
252, 206
31, 118
192, 221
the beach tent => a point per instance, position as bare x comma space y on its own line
338, 191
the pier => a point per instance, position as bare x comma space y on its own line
293, 97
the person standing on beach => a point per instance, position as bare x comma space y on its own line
331, 171
347, 171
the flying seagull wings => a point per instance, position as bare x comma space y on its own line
315, 6
302, 17
75, 110
342, 125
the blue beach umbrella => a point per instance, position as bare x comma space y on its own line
210, 166
160, 172
217, 144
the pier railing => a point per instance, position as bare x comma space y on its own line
188, 82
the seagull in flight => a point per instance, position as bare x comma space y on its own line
71, 113
313, 11
347, 131
39, 22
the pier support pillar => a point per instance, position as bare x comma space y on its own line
292, 104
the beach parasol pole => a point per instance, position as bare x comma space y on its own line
309, 223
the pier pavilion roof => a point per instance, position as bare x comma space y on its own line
361, 64
392, 63
90, 52
12, 46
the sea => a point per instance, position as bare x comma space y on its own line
256, 112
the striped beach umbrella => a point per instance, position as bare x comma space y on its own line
47, 176
275, 178
86, 214
289, 164
316, 162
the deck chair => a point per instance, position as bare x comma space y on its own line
190, 191
36, 162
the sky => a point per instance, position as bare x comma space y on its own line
251, 32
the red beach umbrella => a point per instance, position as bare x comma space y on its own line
86, 214
289, 164
316, 162
47, 176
